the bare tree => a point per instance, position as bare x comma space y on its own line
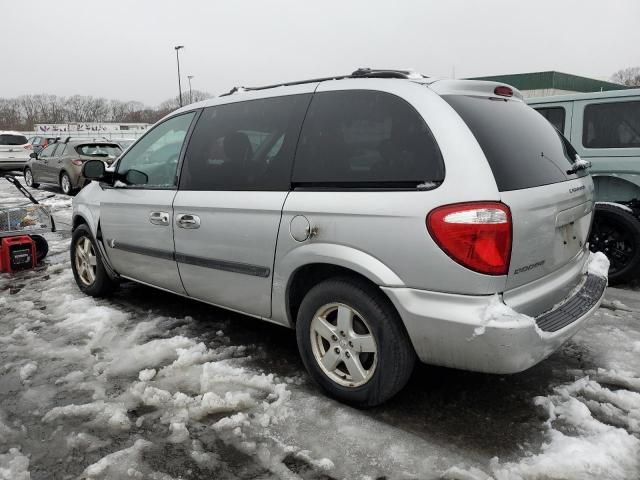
24, 112
627, 76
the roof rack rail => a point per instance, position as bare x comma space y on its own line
386, 73
359, 73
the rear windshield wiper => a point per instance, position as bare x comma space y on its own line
578, 164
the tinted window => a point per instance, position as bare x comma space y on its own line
157, 153
611, 125
555, 116
8, 139
365, 138
522, 148
245, 145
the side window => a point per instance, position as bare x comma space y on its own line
365, 138
156, 154
555, 116
46, 153
611, 125
245, 145
62, 148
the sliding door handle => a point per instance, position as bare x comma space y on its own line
186, 220
159, 218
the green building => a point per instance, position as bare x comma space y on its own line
542, 84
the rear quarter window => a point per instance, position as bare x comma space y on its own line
523, 149
364, 138
554, 115
611, 125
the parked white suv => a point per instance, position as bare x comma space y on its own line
384, 215
14, 151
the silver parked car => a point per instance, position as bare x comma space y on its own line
386, 216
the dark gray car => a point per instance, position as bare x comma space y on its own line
61, 163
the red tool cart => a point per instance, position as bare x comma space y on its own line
21, 224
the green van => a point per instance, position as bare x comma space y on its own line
604, 128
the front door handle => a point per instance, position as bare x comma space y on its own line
186, 220
159, 218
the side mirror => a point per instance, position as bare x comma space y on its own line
33, 155
93, 170
136, 177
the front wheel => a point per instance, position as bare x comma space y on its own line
87, 266
28, 179
352, 342
616, 233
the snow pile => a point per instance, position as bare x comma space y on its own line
496, 311
598, 264
14, 466
583, 441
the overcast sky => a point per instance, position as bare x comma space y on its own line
123, 49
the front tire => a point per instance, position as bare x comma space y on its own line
86, 263
352, 342
28, 179
616, 233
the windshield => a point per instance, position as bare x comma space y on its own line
8, 139
110, 150
523, 149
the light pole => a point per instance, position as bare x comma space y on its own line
190, 96
177, 49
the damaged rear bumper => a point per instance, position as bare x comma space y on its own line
449, 330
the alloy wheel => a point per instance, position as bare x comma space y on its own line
343, 345
85, 260
615, 241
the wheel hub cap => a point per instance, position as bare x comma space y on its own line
343, 345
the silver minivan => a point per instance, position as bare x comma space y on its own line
386, 216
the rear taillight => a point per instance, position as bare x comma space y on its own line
28, 147
77, 162
476, 235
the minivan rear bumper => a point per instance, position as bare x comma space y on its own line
456, 331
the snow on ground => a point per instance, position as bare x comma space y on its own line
112, 389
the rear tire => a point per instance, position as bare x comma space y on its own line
616, 233
86, 263
28, 179
364, 364
65, 184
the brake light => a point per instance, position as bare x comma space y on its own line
77, 162
28, 146
476, 235
503, 91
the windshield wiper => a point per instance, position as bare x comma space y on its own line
578, 164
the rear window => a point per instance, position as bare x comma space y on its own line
522, 148
8, 139
99, 150
612, 125
364, 138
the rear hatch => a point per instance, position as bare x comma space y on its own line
107, 152
14, 146
551, 206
